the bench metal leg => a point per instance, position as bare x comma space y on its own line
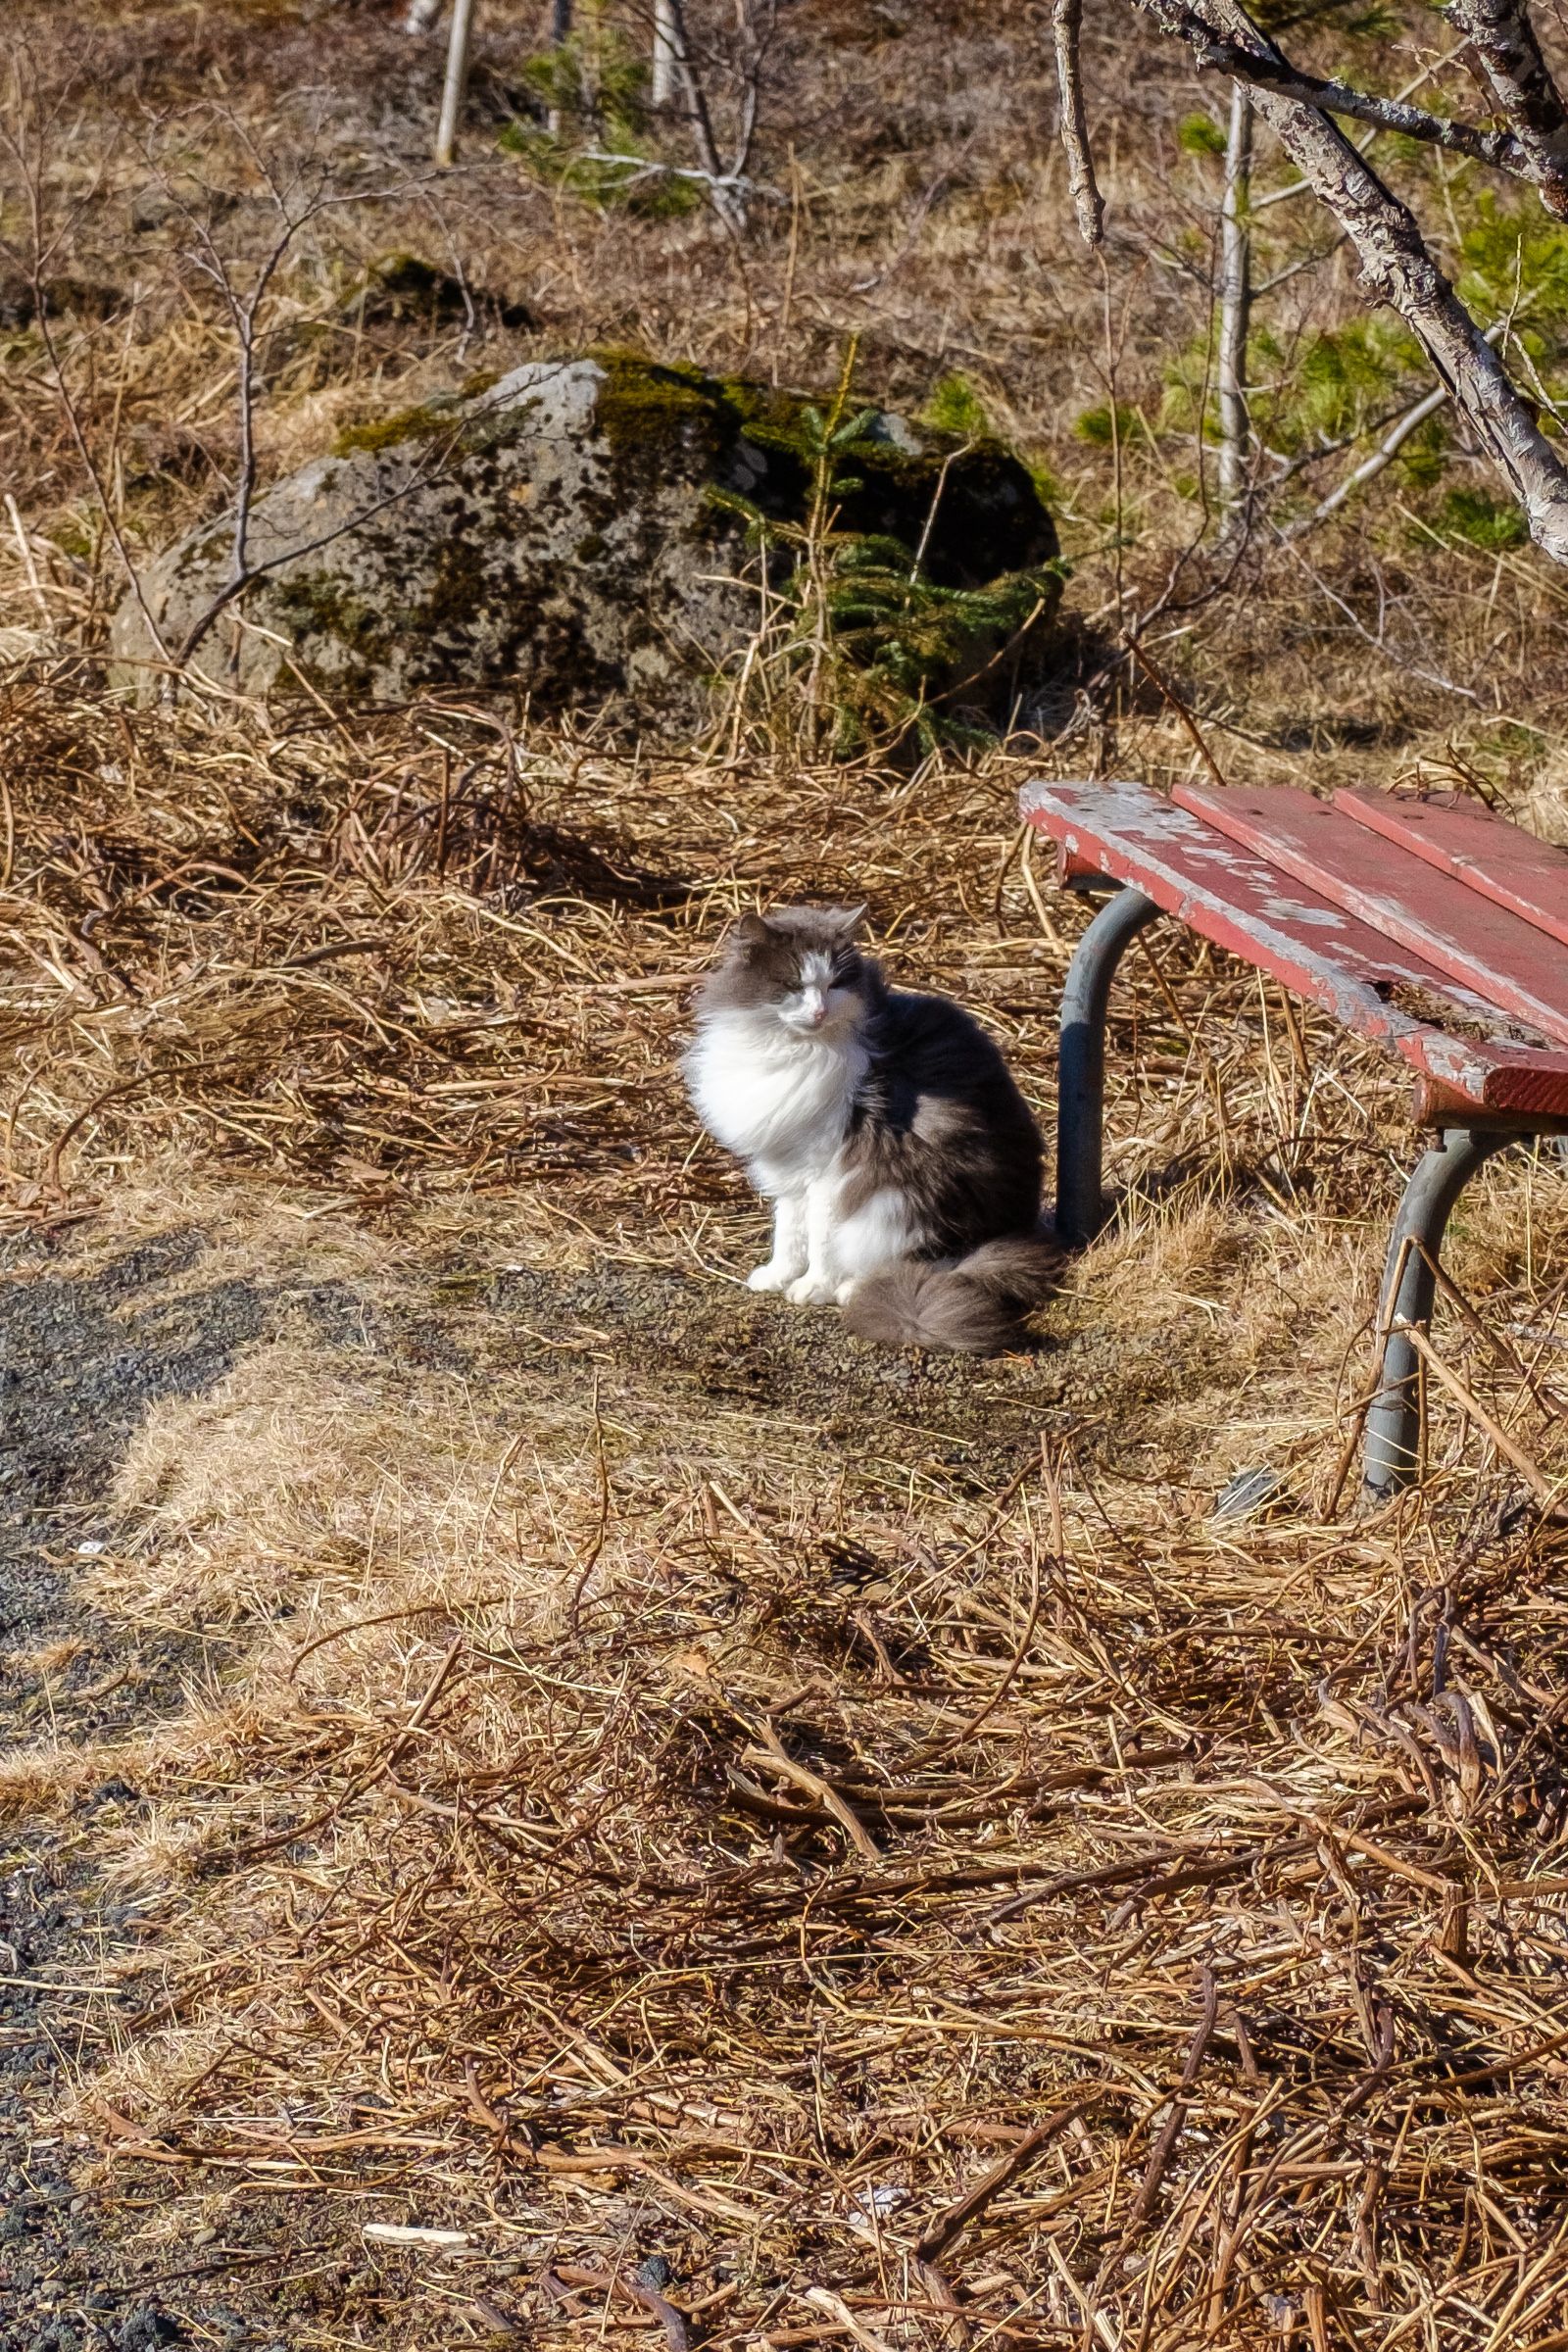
1394, 1419
1081, 1078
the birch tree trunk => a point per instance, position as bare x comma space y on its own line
1505, 44
1400, 270
727, 194
1235, 303
455, 88
667, 55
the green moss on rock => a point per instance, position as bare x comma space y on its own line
650, 414
318, 605
421, 423
759, 440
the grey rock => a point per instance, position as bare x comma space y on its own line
1251, 1495
145, 2328
564, 529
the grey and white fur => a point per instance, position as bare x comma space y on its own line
902, 1161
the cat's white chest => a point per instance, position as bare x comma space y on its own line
784, 1108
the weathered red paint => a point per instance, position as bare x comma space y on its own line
1437, 1105
1319, 949
1465, 934
1528, 877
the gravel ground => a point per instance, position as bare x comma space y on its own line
81, 1359
79, 1366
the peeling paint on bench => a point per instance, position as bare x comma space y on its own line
1315, 949
1241, 870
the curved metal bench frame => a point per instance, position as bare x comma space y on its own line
1393, 1454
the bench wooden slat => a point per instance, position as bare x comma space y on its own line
1316, 950
1295, 911
1530, 877
1465, 934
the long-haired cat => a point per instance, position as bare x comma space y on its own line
902, 1161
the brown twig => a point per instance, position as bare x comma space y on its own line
1161, 2154
950, 2224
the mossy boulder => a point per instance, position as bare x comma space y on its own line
571, 528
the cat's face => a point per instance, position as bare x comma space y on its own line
799, 967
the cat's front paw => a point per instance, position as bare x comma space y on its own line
771, 1277
812, 1289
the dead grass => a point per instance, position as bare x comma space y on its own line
622, 1814
632, 1861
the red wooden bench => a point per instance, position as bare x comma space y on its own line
1429, 927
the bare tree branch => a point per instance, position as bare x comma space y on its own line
1370, 467
702, 121
1387, 450
1235, 301
428, 467
1266, 69
295, 209
237, 586
1399, 268
755, 51
1500, 33
642, 167
1066, 23
729, 186
1299, 188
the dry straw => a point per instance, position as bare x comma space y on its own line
866, 1836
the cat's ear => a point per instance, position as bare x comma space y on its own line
751, 931
849, 922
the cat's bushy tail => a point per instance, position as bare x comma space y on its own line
971, 1305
